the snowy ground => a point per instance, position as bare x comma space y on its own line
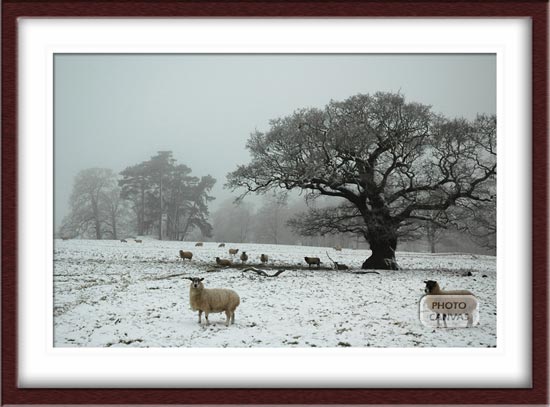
109, 293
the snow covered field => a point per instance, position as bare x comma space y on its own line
109, 293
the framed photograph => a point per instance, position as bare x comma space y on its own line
274, 203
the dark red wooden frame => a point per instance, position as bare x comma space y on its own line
535, 10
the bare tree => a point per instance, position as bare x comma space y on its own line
232, 222
271, 219
387, 160
92, 189
115, 211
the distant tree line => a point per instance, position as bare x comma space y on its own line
271, 221
157, 196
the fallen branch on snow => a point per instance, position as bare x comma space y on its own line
263, 273
169, 276
364, 272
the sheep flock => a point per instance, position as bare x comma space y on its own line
111, 293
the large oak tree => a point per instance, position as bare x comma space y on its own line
390, 162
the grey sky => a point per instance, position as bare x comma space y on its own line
114, 111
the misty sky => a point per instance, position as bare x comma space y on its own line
116, 110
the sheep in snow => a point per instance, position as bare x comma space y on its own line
221, 245
338, 248
223, 262
233, 252
433, 288
186, 255
123, 241
313, 260
138, 241
244, 257
264, 258
209, 300
340, 266
198, 244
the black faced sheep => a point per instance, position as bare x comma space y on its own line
244, 257
186, 255
210, 300
432, 288
313, 260
264, 258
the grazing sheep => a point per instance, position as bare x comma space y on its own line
138, 240
198, 244
123, 240
221, 245
313, 260
338, 248
432, 288
233, 252
340, 266
210, 300
337, 265
244, 257
223, 262
264, 258
186, 255
64, 238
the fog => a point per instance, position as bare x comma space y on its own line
114, 111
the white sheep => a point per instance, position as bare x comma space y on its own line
433, 288
264, 258
210, 300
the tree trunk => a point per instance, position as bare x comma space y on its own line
160, 208
141, 214
430, 235
97, 229
383, 254
97, 221
113, 220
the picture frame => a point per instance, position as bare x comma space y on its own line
12, 394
